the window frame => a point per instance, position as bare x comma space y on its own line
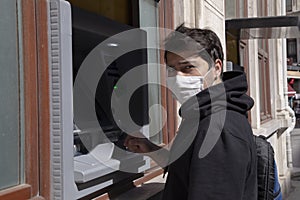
263, 69
244, 61
166, 20
36, 104
263, 64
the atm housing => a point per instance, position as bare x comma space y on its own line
88, 30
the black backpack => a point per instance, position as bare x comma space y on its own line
267, 174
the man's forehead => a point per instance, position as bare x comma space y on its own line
183, 59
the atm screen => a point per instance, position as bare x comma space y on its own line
89, 30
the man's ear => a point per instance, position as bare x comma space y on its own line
218, 67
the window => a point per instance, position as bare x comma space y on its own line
27, 175
123, 11
264, 87
152, 15
289, 5
244, 58
235, 8
11, 97
292, 49
263, 67
244, 62
148, 14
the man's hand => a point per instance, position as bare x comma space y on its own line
138, 143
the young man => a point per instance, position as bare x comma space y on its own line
213, 156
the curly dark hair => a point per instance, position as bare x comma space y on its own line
183, 39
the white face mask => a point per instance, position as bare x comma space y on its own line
184, 87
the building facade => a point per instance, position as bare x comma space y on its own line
41, 155
293, 8
293, 75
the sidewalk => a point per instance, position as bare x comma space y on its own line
295, 190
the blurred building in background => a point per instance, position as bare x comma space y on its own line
44, 43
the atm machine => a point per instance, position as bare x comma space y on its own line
89, 55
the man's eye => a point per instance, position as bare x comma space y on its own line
189, 67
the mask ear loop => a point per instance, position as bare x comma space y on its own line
201, 78
206, 80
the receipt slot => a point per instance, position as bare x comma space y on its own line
87, 152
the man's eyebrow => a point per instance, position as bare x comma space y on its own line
183, 62
189, 60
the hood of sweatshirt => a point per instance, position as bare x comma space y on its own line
230, 95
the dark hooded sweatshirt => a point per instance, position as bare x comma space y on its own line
213, 154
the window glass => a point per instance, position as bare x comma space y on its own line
118, 10
292, 49
148, 11
262, 86
289, 6
11, 109
230, 8
235, 8
242, 8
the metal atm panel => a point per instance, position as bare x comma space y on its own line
76, 143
